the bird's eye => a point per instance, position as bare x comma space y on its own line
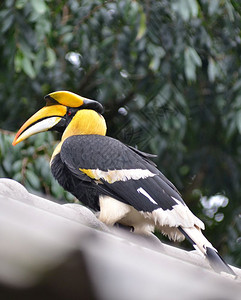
71, 112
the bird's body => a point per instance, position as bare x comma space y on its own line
131, 189
120, 181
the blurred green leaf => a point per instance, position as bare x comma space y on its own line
212, 70
7, 23
39, 6
238, 120
39, 60
33, 179
213, 6
51, 58
193, 6
17, 177
67, 37
28, 67
17, 166
192, 60
18, 61
142, 26
26, 49
19, 4
186, 8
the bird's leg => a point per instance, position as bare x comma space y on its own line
125, 227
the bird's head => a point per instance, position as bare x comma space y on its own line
66, 113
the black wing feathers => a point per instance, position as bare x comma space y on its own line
130, 194
80, 185
105, 153
102, 152
144, 155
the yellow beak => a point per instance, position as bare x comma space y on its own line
43, 120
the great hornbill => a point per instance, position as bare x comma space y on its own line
107, 175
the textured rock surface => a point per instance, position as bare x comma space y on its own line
50, 251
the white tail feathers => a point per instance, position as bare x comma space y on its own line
199, 242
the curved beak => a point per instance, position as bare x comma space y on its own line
43, 120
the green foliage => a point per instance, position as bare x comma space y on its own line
168, 73
28, 163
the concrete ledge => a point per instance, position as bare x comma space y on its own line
65, 252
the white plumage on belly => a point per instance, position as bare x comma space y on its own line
167, 221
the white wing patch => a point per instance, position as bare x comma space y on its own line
112, 176
176, 200
140, 190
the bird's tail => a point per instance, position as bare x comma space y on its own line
199, 242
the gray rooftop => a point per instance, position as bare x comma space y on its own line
49, 251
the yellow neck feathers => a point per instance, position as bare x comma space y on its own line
85, 121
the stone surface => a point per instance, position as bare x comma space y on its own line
50, 251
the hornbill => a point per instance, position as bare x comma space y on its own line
108, 176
